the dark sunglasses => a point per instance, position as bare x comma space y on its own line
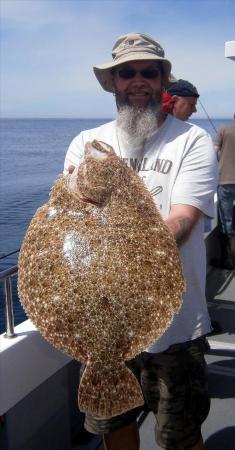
149, 73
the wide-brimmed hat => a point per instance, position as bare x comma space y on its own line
131, 47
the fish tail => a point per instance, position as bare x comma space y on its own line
107, 393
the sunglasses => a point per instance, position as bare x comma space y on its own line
149, 73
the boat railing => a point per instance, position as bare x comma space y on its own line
6, 278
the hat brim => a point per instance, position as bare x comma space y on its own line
104, 75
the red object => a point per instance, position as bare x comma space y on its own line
167, 103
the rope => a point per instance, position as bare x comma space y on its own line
9, 254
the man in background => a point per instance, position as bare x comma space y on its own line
178, 165
180, 99
225, 148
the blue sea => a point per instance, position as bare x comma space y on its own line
32, 153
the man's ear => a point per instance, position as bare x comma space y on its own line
175, 98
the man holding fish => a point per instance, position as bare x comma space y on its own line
177, 162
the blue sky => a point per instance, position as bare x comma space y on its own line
49, 47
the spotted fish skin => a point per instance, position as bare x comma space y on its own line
100, 275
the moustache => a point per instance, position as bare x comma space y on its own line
139, 91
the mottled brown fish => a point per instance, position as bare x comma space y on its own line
100, 276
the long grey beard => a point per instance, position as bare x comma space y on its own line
138, 124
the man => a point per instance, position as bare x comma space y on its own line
225, 148
178, 164
180, 99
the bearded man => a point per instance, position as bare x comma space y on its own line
178, 165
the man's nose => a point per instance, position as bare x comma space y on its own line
138, 77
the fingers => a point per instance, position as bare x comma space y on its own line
71, 169
73, 172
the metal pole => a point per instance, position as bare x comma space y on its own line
5, 276
9, 309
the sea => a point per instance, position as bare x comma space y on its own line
32, 153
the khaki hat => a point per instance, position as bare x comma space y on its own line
131, 47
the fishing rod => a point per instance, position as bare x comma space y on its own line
9, 254
207, 116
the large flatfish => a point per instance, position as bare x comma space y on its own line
100, 276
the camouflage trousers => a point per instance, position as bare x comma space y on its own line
175, 389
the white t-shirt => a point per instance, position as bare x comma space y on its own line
178, 165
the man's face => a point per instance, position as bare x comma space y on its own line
184, 107
138, 83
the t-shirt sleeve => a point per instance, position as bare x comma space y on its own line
197, 177
75, 153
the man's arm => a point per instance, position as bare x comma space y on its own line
218, 143
181, 220
217, 150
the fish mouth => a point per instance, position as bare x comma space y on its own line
99, 198
98, 150
78, 193
89, 200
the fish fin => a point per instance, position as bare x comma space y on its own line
107, 393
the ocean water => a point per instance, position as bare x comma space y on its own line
32, 153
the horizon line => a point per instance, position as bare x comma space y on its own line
92, 118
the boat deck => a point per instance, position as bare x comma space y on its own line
219, 428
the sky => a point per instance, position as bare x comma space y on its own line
49, 48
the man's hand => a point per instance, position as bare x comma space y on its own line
71, 169
181, 220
